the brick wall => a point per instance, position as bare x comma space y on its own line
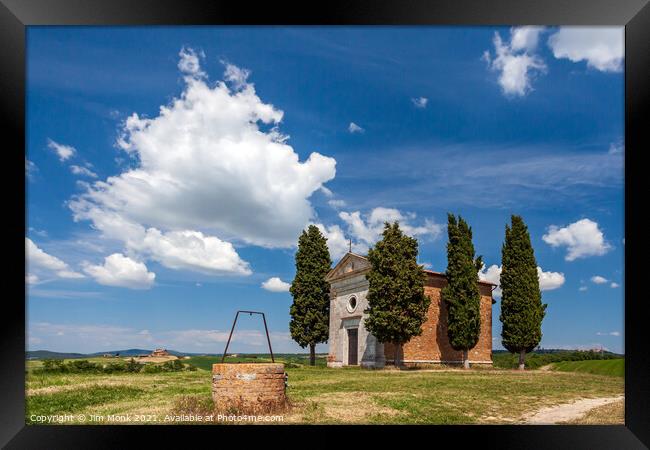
433, 344
248, 385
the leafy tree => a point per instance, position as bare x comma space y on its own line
83, 366
152, 368
522, 310
177, 365
461, 294
113, 368
133, 366
311, 303
397, 306
52, 365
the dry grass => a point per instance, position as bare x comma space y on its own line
441, 396
345, 407
111, 394
74, 387
155, 359
611, 414
322, 395
567, 411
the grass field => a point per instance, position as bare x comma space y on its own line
322, 395
535, 360
610, 367
37, 363
603, 415
289, 360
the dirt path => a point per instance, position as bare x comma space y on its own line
568, 411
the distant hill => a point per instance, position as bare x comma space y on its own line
139, 351
46, 354
558, 350
127, 352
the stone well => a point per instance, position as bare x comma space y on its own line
248, 385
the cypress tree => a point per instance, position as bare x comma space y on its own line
311, 304
461, 294
397, 305
522, 310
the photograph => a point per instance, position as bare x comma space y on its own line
352, 225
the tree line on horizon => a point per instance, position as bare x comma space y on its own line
397, 305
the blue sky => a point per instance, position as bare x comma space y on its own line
151, 227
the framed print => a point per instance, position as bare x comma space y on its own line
407, 217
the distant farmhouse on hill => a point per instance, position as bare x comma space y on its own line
160, 352
350, 344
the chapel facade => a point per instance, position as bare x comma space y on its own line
351, 344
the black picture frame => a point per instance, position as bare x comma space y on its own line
15, 15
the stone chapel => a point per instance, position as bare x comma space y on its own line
351, 344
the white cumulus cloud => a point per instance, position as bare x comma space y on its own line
64, 152
492, 275
582, 239
548, 281
181, 250
354, 128
597, 279
611, 333
39, 261
516, 61
69, 274
337, 243
212, 167
601, 47
420, 102
368, 228
616, 148
336, 203
275, 284
327, 192
192, 250
236, 75
30, 169
614, 285
38, 258
525, 38
365, 230
121, 271
189, 63
79, 170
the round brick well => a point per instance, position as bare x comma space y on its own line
244, 386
